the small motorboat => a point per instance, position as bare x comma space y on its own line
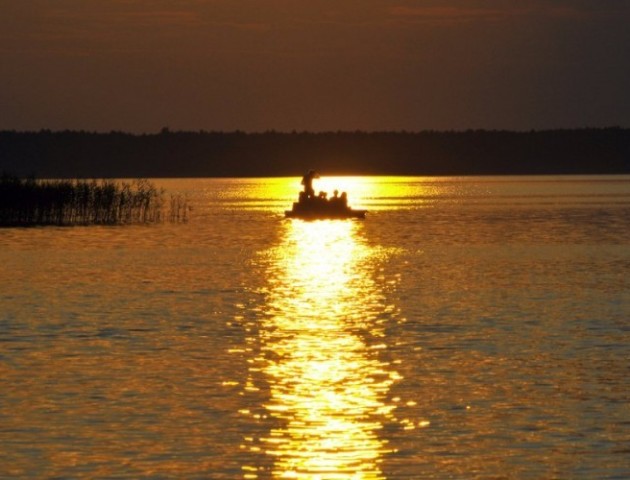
315, 208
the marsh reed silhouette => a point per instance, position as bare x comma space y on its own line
31, 202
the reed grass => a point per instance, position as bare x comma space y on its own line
31, 202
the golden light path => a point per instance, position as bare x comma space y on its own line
321, 339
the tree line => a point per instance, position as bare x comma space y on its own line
80, 154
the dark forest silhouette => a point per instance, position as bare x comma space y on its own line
78, 154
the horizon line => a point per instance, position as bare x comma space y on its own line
168, 131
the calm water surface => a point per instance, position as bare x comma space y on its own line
468, 328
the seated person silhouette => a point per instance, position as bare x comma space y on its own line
307, 181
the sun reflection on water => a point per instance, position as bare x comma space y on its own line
321, 339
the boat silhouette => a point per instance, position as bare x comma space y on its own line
310, 207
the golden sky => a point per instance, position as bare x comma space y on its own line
254, 65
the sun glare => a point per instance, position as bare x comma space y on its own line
327, 388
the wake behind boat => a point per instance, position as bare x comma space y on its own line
311, 207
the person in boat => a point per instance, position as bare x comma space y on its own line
343, 200
335, 200
320, 199
307, 181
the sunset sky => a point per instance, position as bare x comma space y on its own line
140, 65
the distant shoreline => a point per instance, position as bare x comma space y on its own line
170, 154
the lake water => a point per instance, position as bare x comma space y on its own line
468, 328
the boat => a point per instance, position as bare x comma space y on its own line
321, 208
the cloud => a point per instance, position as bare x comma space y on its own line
447, 14
126, 15
70, 28
454, 14
138, 18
